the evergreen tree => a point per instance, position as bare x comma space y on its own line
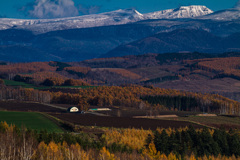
234, 145
220, 137
161, 142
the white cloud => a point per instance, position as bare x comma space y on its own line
53, 9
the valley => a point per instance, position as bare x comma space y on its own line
119, 33
120, 84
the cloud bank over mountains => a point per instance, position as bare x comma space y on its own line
46, 9
53, 9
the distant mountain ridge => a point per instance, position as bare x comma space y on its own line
94, 20
35, 40
224, 15
181, 40
181, 12
103, 19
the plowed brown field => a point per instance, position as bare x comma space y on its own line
120, 122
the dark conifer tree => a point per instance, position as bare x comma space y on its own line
161, 141
220, 137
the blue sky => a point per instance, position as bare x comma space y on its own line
65, 8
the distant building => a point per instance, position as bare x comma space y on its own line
73, 109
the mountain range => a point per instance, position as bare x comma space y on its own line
189, 28
224, 15
181, 40
103, 19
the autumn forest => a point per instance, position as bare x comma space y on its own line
183, 106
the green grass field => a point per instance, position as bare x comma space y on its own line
26, 85
16, 83
83, 87
30, 120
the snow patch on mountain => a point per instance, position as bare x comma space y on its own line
224, 15
181, 12
103, 19
45, 25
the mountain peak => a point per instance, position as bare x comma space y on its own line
129, 12
193, 7
181, 12
135, 11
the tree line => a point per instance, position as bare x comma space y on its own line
183, 103
200, 143
222, 67
24, 94
133, 95
128, 96
187, 144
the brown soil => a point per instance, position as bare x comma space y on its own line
225, 126
120, 122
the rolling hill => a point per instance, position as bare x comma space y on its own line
182, 40
74, 39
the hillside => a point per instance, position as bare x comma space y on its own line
196, 72
118, 17
173, 71
119, 85
21, 44
183, 40
223, 15
181, 12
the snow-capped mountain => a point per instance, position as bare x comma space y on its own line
224, 15
118, 17
181, 12
45, 25
103, 19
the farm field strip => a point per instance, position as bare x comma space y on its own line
216, 121
25, 107
30, 120
55, 106
26, 85
16, 83
151, 72
120, 122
